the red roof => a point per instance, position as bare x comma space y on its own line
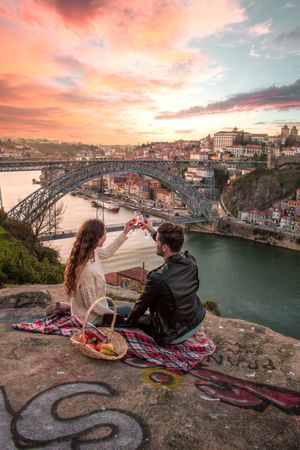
112, 278
259, 212
135, 273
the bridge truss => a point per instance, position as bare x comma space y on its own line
10, 165
35, 205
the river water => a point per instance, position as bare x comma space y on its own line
248, 280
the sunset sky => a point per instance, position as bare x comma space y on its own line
133, 71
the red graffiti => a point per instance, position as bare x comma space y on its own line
246, 394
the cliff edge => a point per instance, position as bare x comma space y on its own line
245, 396
260, 189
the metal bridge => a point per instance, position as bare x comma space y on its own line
118, 227
35, 205
13, 165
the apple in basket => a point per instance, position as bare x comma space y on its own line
82, 338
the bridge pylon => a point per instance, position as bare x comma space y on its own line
209, 185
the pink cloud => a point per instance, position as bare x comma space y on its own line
261, 28
185, 131
78, 12
150, 24
278, 98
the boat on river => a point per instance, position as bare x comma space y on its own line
110, 206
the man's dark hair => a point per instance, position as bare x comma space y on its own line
171, 235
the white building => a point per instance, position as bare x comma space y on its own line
285, 222
258, 217
195, 174
224, 139
202, 155
259, 138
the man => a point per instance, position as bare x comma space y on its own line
170, 292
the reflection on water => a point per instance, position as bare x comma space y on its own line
249, 281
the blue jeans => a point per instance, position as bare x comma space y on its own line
123, 310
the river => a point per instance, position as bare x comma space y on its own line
248, 280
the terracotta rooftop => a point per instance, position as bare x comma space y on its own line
259, 212
111, 278
135, 273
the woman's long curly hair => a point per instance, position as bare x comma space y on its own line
83, 250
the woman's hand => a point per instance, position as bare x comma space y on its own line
129, 226
58, 307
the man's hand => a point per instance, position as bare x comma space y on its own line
148, 225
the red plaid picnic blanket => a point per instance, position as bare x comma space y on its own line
61, 324
180, 358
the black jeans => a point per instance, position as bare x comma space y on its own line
143, 323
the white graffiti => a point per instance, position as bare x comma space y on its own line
38, 423
5, 419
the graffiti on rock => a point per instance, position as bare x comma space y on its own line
154, 375
236, 355
38, 424
137, 362
161, 377
246, 394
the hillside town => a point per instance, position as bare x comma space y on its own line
141, 191
222, 145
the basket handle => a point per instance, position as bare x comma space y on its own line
99, 300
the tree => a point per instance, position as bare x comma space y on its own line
48, 220
221, 178
3, 216
241, 139
211, 306
257, 157
290, 140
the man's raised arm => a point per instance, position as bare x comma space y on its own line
149, 227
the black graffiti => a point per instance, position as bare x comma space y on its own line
38, 424
239, 357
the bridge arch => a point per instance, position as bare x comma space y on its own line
33, 206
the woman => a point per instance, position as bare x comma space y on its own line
84, 278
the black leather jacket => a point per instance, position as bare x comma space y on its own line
170, 295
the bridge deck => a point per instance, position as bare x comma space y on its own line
118, 227
26, 165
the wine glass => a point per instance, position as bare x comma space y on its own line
134, 221
142, 225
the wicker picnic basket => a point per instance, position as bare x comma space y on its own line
115, 338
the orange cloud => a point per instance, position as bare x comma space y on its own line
91, 68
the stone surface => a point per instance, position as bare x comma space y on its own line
46, 381
20, 296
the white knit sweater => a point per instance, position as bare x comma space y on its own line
92, 285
